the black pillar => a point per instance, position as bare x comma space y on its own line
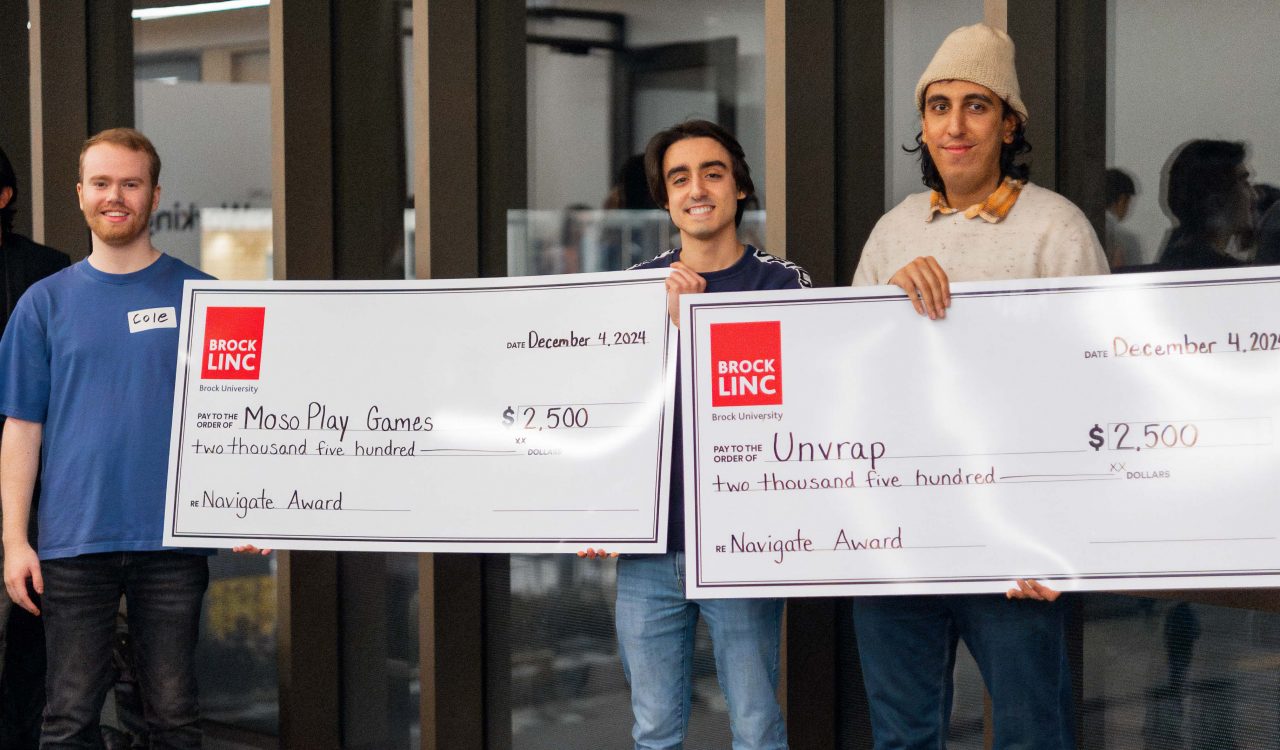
15, 106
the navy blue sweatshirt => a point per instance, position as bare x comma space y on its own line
755, 271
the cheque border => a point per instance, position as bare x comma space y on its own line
855, 295
186, 361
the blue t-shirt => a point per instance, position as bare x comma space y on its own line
755, 271
92, 356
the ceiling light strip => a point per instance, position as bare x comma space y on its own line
152, 14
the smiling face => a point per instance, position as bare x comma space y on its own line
702, 196
964, 127
116, 194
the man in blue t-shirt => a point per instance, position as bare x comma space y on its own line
86, 373
698, 172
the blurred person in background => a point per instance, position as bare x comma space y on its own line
1121, 244
1210, 196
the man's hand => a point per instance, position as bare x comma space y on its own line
249, 549
21, 565
1032, 589
594, 554
926, 285
681, 281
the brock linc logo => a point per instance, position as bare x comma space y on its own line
233, 343
746, 364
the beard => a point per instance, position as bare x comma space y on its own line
119, 234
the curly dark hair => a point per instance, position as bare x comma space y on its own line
660, 142
1009, 152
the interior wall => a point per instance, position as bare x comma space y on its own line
568, 138
569, 106
1180, 71
214, 141
245, 28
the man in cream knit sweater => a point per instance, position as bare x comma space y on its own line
980, 219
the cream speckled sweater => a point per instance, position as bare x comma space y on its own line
1044, 235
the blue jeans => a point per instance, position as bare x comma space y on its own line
907, 646
164, 591
656, 624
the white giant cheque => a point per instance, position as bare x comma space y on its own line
1094, 433
497, 415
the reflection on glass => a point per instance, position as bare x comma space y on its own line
573, 241
567, 686
1213, 204
1166, 674
1200, 172
236, 656
236, 244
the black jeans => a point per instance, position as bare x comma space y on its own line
164, 592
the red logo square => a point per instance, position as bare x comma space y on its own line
746, 364
233, 343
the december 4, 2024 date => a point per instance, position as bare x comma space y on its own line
575, 339
1124, 347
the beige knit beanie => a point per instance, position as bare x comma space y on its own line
977, 53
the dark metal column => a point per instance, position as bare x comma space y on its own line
15, 104
470, 153
302, 227
307, 634
59, 123
301, 139
1082, 107
1033, 27
368, 157
450, 623
859, 131
368, 140
503, 123
110, 64
450, 587
827, 108
446, 182
832, 99
810, 140
502, 157
79, 55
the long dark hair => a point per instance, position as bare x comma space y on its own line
1009, 152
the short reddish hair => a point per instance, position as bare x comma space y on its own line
125, 138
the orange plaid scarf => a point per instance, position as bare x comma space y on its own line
992, 210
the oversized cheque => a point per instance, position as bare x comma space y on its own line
525, 415
1095, 433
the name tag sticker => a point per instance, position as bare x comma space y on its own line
156, 317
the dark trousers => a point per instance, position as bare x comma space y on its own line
164, 592
22, 683
907, 646
22, 664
